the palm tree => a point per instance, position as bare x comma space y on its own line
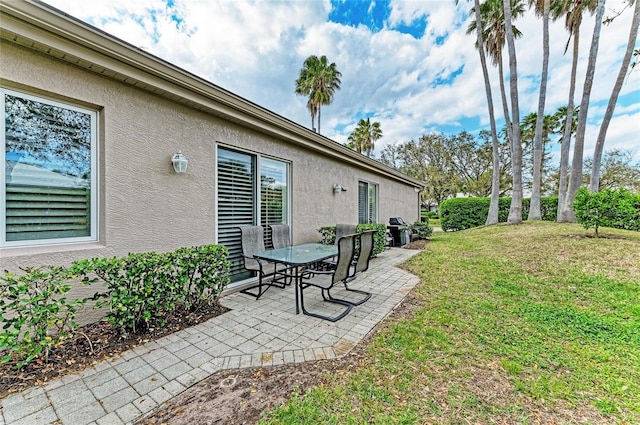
318, 79
542, 8
597, 155
492, 216
365, 135
575, 176
493, 30
572, 11
515, 210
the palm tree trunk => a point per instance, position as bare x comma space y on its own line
568, 125
575, 178
515, 210
319, 109
534, 207
505, 104
594, 184
492, 216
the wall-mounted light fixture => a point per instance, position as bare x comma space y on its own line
179, 162
337, 188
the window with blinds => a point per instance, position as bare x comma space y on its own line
241, 202
48, 174
273, 195
236, 203
367, 202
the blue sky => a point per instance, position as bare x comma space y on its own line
408, 64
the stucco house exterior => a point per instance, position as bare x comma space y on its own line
91, 124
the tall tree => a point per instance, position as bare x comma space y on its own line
515, 210
365, 135
492, 216
604, 126
572, 11
494, 36
542, 7
575, 176
318, 80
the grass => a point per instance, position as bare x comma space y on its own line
515, 324
434, 222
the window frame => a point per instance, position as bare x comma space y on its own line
369, 209
93, 205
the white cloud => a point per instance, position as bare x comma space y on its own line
256, 48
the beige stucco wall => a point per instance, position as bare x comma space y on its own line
144, 205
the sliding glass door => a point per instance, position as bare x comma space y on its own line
242, 201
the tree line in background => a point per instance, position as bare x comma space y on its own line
516, 159
494, 28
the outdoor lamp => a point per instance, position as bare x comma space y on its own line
179, 162
337, 188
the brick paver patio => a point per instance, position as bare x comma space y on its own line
254, 333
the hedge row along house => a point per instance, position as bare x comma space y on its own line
91, 127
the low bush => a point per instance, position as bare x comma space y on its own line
35, 313
202, 273
607, 208
379, 238
328, 235
141, 289
423, 229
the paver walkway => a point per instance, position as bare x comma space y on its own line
254, 333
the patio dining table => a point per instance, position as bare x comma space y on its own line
298, 257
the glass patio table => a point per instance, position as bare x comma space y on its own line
297, 257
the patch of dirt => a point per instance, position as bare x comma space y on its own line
239, 396
419, 244
90, 344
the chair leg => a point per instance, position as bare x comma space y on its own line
273, 282
362, 301
320, 316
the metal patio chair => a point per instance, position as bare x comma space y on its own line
360, 263
325, 280
252, 242
280, 235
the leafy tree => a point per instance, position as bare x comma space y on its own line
426, 160
364, 136
597, 155
604, 208
617, 170
318, 79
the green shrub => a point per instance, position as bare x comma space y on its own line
35, 313
142, 288
423, 229
328, 235
202, 273
607, 208
379, 238
465, 213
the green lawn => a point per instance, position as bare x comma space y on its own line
515, 324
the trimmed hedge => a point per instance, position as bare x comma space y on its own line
328, 234
465, 213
